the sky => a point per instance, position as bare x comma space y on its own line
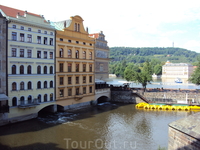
128, 23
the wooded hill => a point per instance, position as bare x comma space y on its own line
140, 55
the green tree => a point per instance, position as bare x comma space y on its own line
157, 69
195, 77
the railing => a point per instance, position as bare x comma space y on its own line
4, 109
30, 103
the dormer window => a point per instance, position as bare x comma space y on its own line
77, 27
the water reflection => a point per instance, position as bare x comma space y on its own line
106, 127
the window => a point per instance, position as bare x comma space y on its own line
45, 70
14, 101
90, 67
21, 53
69, 67
77, 54
39, 31
29, 38
51, 55
14, 36
14, 69
84, 67
45, 84
51, 70
69, 41
61, 39
45, 97
45, 41
84, 55
90, 89
38, 69
75, 27
51, 41
51, 33
61, 92
51, 97
14, 52
84, 79
90, 55
77, 80
39, 98
45, 32
29, 53
22, 28
21, 69
77, 91
78, 27
69, 92
90, 79
51, 84
14, 26
22, 102
77, 67
22, 37
29, 85
38, 54
83, 43
61, 80
22, 86
39, 39
90, 44
61, 52
61, 67
69, 53
45, 54
84, 90
29, 99
77, 42
101, 67
29, 29
69, 80
14, 86
39, 85
29, 69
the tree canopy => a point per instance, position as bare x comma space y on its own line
195, 77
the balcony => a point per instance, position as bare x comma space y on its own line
4, 109
78, 96
29, 104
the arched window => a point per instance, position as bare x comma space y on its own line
29, 85
45, 84
75, 27
61, 52
45, 97
22, 86
13, 69
39, 98
14, 101
78, 27
22, 102
39, 85
29, 69
51, 84
77, 54
45, 69
69, 53
38, 69
90, 55
29, 99
51, 69
21, 71
51, 97
14, 86
84, 55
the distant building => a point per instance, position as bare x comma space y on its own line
176, 70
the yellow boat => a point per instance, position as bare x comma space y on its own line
186, 108
160, 107
179, 108
140, 105
147, 106
153, 106
195, 107
167, 107
173, 107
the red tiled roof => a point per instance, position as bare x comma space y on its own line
12, 12
95, 35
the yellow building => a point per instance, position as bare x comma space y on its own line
74, 64
30, 64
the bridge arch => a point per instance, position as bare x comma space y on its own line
52, 108
103, 99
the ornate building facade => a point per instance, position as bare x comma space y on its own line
74, 63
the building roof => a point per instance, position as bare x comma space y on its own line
12, 12
177, 64
94, 35
61, 24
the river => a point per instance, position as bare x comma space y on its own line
105, 127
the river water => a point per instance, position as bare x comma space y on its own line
105, 127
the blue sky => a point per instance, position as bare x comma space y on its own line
129, 23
